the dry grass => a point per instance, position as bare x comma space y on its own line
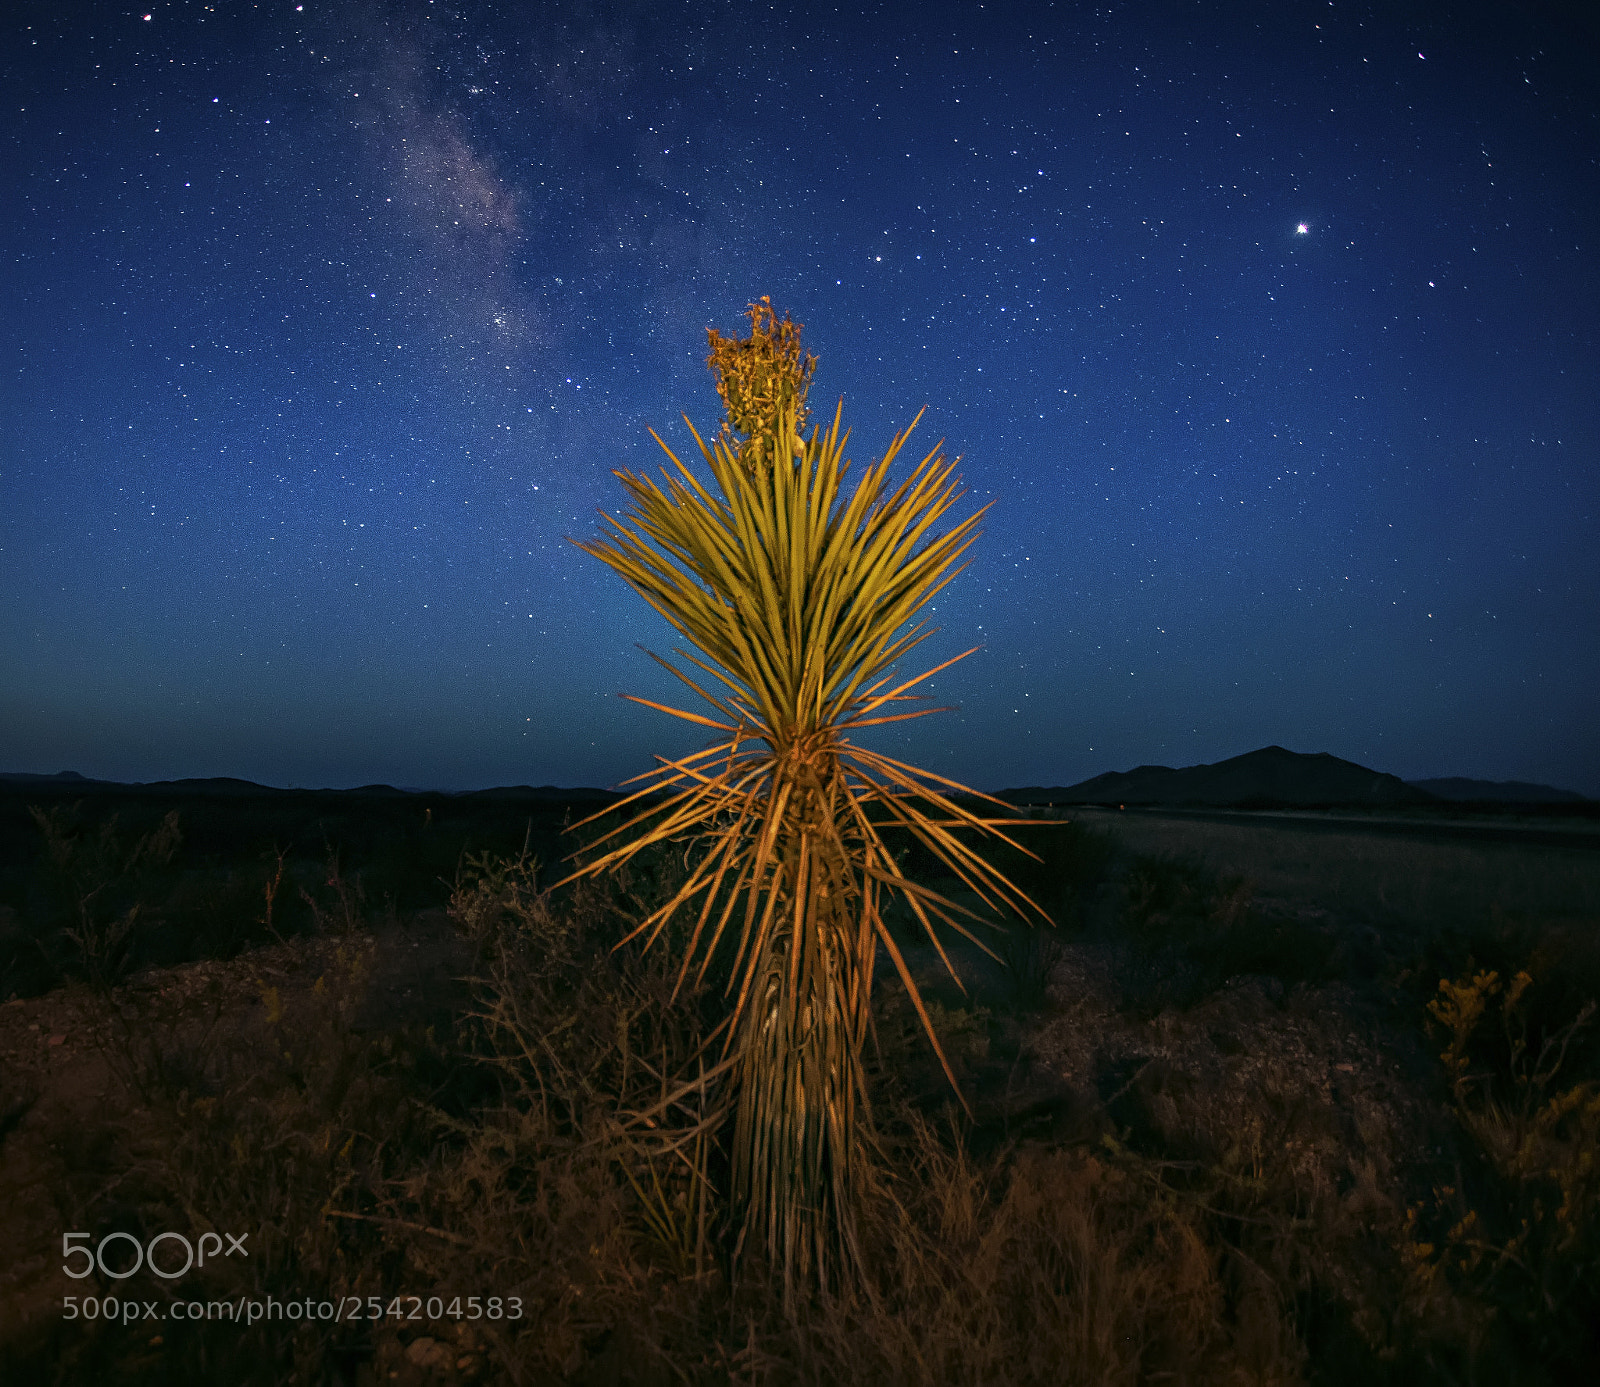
1273, 1176
1377, 880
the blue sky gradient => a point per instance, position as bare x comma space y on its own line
1270, 329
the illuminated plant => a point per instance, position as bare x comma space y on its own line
796, 599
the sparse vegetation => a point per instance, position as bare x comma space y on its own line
92, 879
1234, 1189
1514, 1247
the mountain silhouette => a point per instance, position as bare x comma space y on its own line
1270, 776
1496, 791
230, 786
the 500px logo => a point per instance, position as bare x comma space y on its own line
144, 1254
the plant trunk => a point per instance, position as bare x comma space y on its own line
801, 1164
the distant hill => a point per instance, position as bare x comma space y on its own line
226, 785
1271, 776
1497, 791
71, 780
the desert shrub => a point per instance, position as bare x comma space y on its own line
1209, 923
291, 1143
213, 911
1295, 1220
1068, 864
1065, 862
1167, 898
339, 903
906, 1074
1565, 966
1011, 1268
1561, 954
1506, 1259
1002, 1269
96, 881
584, 1181
1031, 951
800, 594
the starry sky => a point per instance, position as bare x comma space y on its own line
1270, 329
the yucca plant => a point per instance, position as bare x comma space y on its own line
796, 600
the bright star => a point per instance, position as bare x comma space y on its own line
1302, 229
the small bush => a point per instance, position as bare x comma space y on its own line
1178, 906
291, 1144
1517, 1248
94, 878
1032, 952
1168, 899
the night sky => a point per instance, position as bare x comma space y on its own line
1271, 329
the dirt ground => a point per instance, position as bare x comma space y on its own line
70, 1111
